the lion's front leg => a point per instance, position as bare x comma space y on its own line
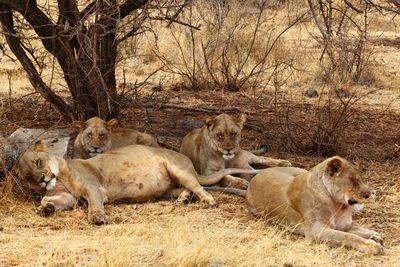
181, 194
366, 233
50, 204
96, 213
268, 162
338, 238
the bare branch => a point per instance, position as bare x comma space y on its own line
34, 77
129, 6
353, 7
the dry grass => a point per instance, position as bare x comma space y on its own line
161, 234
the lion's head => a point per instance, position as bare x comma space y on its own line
38, 168
95, 135
224, 132
343, 181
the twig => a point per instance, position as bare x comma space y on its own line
171, 20
9, 91
205, 110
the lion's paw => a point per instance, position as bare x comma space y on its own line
209, 202
238, 183
284, 163
97, 217
377, 238
374, 248
46, 210
182, 201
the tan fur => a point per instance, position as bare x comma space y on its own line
132, 173
97, 136
216, 146
316, 203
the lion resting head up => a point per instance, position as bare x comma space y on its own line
94, 136
343, 181
317, 203
224, 132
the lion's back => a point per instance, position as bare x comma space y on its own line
124, 137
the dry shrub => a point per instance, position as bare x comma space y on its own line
353, 62
232, 46
343, 36
319, 129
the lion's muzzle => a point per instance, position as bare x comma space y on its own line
48, 182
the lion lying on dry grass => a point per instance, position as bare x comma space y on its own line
216, 146
317, 203
132, 173
97, 136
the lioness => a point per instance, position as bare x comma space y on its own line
131, 173
216, 146
316, 203
97, 136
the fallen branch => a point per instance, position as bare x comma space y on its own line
212, 111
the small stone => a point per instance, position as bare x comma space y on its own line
160, 253
215, 264
334, 255
344, 94
311, 92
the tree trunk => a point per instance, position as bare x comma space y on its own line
91, 76
85, 49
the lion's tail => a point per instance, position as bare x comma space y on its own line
229, 190
262, 150
216, 177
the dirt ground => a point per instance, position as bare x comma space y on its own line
163, 234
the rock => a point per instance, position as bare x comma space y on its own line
343, 93
189, 124
311, 92
295, 84
23, 138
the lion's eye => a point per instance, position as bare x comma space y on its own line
220, 136
90, 134
354, 180
41, 180
102, 136
233, 134
38, 162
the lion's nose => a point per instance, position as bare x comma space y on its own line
366, 195
95, 147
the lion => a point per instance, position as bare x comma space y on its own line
97, 136
216, 146
133, 173
317, 204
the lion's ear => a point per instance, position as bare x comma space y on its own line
209, 122
334, 166
111, 124
40, 146
241, 119
80, 125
